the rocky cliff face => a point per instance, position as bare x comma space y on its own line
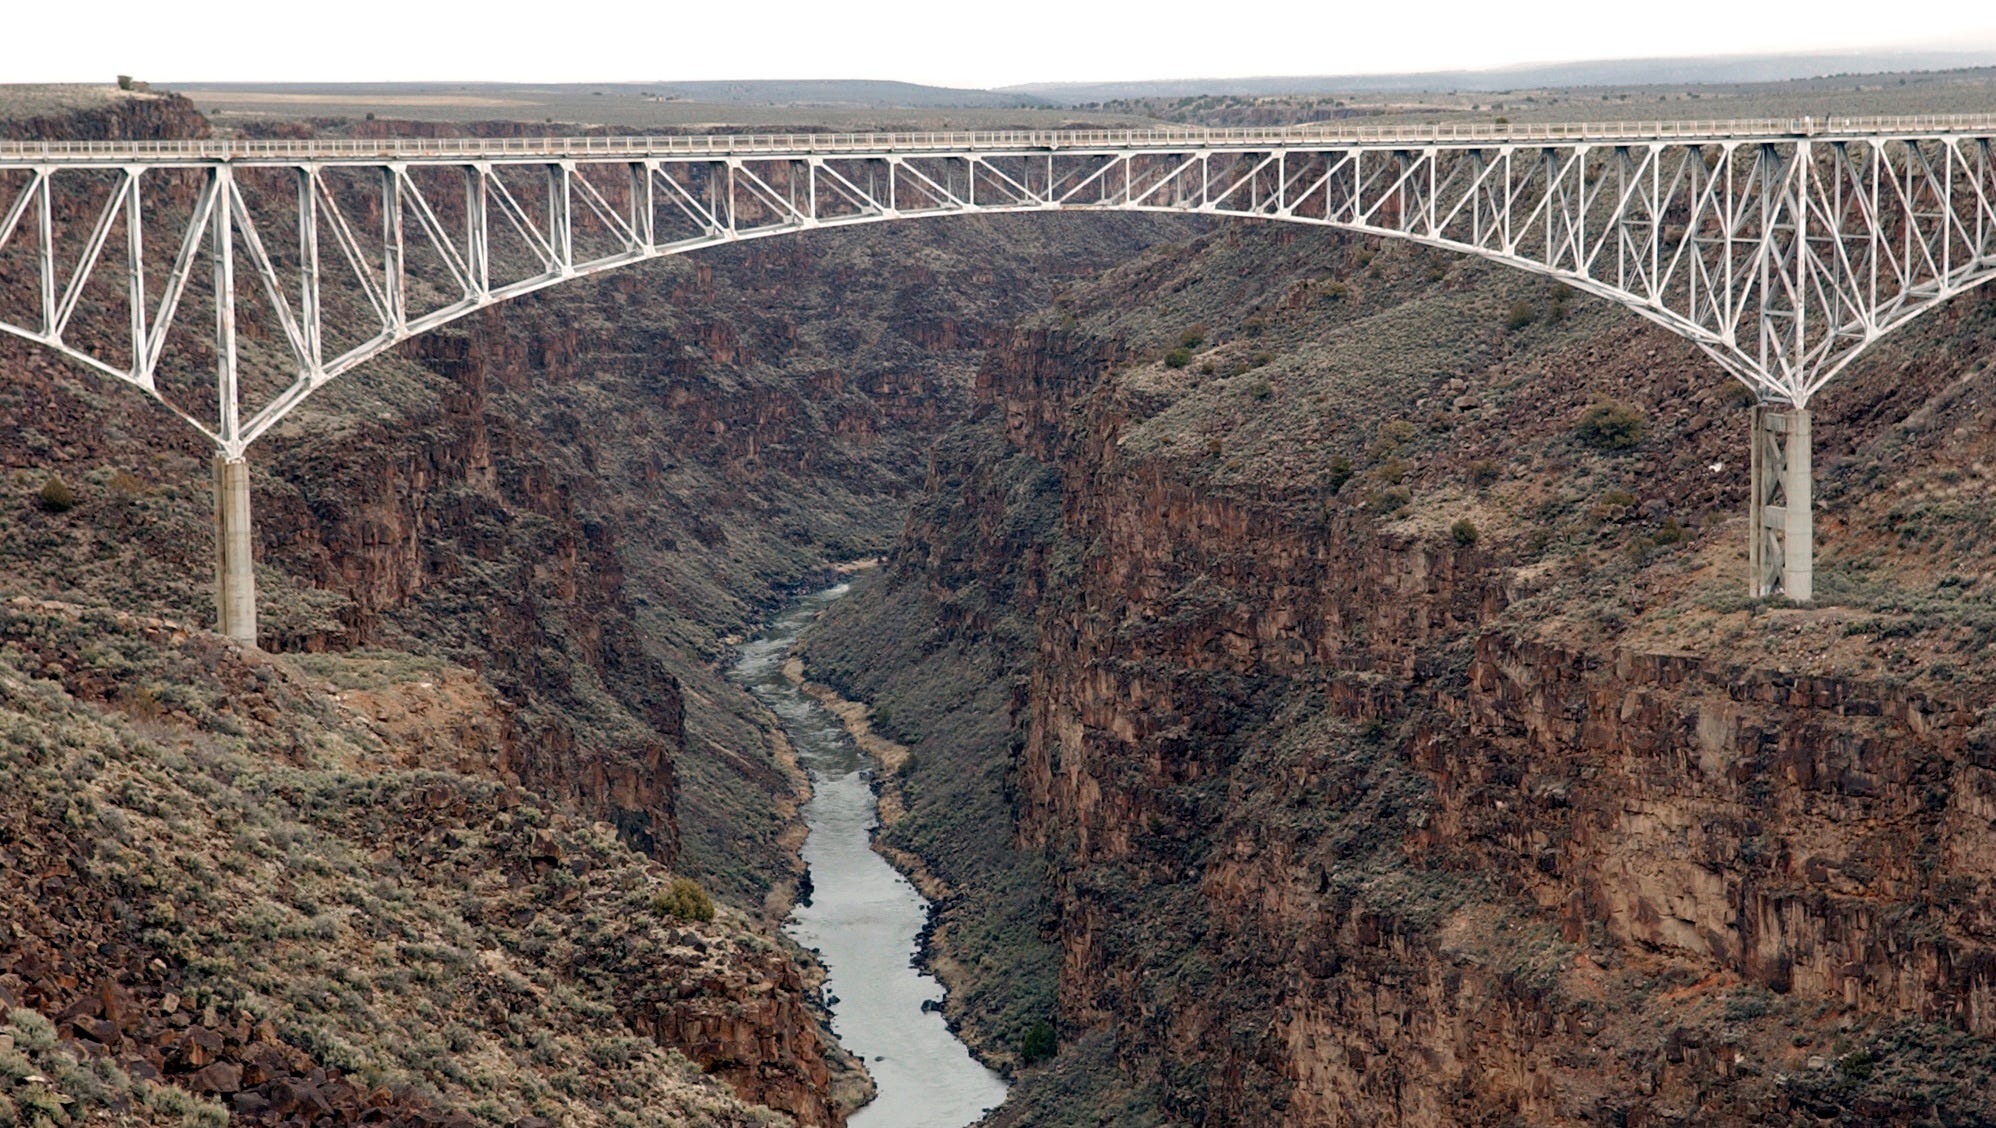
451, 507
98, 114
1400, 757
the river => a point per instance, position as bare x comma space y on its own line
864, 919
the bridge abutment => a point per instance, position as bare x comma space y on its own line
1781, 557
235, 572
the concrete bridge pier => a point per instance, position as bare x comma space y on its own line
1781, 558
235, 572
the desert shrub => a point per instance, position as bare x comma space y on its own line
1039, 1043
1193, 337
1259, 389
1178, 358
1341, 472
1642, 548
1389, 500
56, 496
1337, 291
1464, 531
1394, 434
1614, 505
684, 900
1483, 474
1748, 1004
1520, 315
1556, 308
31, 1031
43, 1107
1610, 426
144, 703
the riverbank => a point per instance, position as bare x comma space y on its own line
938, 952
866, 921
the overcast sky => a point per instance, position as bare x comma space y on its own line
949, 44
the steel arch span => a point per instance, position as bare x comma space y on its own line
1781, 248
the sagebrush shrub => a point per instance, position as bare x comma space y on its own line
684, 900
56, 496
1610, 426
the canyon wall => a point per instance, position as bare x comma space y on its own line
1397, 752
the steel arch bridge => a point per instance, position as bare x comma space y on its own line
232, 279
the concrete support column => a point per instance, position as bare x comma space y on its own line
1781, 558
235, 572
1798, 542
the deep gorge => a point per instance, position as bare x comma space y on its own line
1347, 817
1259, 791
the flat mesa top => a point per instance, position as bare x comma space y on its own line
777, 145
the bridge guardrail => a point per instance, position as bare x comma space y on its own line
819, 144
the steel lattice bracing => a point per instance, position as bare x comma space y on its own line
233, 279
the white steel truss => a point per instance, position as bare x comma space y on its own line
232, 279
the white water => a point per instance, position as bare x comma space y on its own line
864, 918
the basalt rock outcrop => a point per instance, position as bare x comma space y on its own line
91, 114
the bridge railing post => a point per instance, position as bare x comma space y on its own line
235, 571
1781, 555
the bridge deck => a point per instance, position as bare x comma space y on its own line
778, 145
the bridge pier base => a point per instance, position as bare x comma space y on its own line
235, 572
1781, 559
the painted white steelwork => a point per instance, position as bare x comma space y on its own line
1781, 248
